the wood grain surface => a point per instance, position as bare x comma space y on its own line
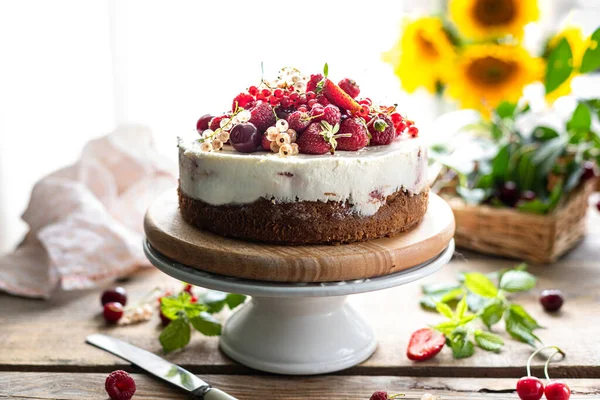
85, 386
172, 236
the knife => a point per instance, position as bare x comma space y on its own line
159, 367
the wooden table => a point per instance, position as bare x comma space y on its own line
43, 354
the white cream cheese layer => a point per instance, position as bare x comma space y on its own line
361, 178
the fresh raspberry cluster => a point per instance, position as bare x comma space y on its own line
303, 114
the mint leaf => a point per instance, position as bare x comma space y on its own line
233, 300
492, 313
488, 341
475, 302
443, 296
581, 120
480, 285
461, 308
172, 306
214, 300
176, 335
591, 58
206, 324
520, 325
325, 70
461, 346
435, 288
444, 309
446, 327
517, 281
506, 109
559, 67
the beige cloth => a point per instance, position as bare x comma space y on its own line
85, 221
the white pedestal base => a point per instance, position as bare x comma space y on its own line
298, 336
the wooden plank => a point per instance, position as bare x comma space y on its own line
172, 236
49, 336
66, 386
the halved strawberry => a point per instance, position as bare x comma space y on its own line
425, 344
337, 96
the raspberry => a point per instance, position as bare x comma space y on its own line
242, 100
311, 141
322, 100
215, 122
119, 385
331, 114
359, 138
298, 121
349, 86
311, 86
262, 116
317, 112
382, 131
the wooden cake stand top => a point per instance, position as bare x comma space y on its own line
172, 236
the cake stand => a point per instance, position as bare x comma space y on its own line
298, 321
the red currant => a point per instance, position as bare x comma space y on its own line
396, 118
364, 111
312, 102
278, 93
188, 288
118, 295
311, 95
557, 390
113, 312
530, 388
194, 299
302, 99
253, 90
266, 92
260, 96
290, 88
273, 100
413, 131
286, 102
294, 96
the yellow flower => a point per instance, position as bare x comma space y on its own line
487, 74
423, 55
578, 43
484, 19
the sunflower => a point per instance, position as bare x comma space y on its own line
578, 43
423, 55
487, 74
484, 19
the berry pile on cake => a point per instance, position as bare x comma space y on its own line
300, 160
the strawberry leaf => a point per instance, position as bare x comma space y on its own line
325, 70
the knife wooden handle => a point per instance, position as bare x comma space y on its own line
216, 394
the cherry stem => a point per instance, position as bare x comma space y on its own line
548, 362
396, 396
539, 350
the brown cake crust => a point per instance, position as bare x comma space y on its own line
305, 222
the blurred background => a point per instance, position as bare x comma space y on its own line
72, 70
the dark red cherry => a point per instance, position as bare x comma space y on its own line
245, 138
113, 312
551, 299
203, 123
509, 194
118, 295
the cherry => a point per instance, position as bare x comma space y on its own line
118, 295
589, 171
509, 194
528, 195
113, 312
530, 388
557, 390
245, 138
551, 299
203, 123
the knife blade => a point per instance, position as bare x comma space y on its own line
158, 367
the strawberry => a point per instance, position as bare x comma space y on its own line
382, 130
337, 96
425, 344
359, 138
331, 114
349, 86
262, 116
298, 121
311, 86
311, 141
215, 122
243, 100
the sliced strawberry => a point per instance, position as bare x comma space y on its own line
337, 96
425, 344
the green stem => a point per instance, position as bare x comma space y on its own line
539, 350
548, 362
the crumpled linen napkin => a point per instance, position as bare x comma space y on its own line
86, 220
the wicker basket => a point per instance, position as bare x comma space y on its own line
530, 237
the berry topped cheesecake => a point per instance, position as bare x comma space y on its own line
301, 160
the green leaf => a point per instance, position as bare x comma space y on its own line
233, 300
581, 120
492, 313
206, 324
500, 164
547, 154
475, 302
326, 70
535, 206
172, 306
517, 281
176, 335
480, 285
214, 300
444, 309
446, 327
520, 325
488, 341
461, 346
591, 58
559, 66
544, 133
574, 173
472, 196
556, 195
506, 109
436, 288
461, 308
